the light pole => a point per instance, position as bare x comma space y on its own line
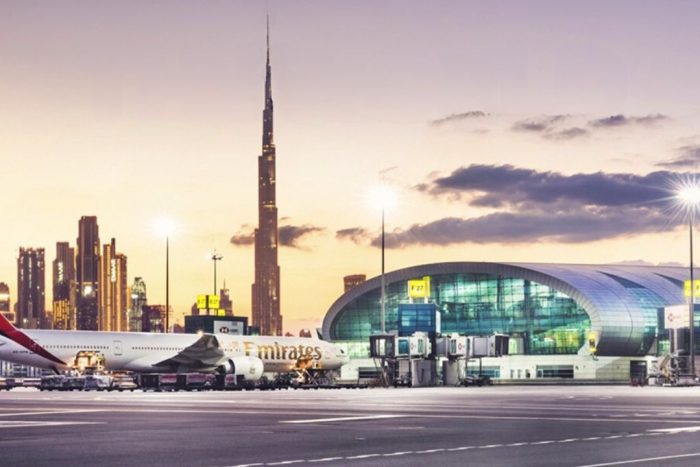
383, 299
216, 258
165, 228
690, 199
384, 198
167, 283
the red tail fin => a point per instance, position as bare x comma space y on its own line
12, 333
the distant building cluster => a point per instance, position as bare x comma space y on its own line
90, 290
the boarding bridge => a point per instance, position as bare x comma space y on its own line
413, 360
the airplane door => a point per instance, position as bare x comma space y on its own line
117, 347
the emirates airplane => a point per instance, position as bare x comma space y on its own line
247, 356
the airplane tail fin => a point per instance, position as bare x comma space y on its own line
8, 330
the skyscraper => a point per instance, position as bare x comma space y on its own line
138, 300
88, 271
266, 288
31, 312
225, 302
5, 307
113, 289
64, 287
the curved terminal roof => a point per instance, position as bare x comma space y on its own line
613, 295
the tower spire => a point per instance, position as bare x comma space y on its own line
268, 39
268, 71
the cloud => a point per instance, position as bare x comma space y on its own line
575, 226
539, 124
566, 134
356, 235
506, 185
244, 237
291, 235
550, 127
542, 205
620, 120
689, 158
472, 114
553, 127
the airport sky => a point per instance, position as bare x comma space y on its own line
530, 131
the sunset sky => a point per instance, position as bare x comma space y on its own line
523, 131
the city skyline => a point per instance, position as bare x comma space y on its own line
512, 136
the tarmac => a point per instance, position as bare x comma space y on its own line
497, 425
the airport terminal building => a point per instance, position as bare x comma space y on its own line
549, 311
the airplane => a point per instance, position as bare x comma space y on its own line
140, 352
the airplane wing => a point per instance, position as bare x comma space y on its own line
204, 354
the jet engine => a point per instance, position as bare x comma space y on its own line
250, 368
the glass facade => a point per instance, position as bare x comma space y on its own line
539, 319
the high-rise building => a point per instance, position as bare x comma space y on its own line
266, 288
225, 302
353, 280
138, 301
64, 287
113, 290
5, 306
31, 298
88, 274
153, 318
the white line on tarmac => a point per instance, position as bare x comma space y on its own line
487, 446
50, 412
363, 456
25, 424
646, 459
344, 419
688, 429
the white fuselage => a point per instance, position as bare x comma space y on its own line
139, 352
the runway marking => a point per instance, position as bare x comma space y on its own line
27, 424
490, 446
49, 412
344, 419
686, 429
363, 456
646, 459
554, 419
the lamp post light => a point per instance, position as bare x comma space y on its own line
165, 228
690, 200
216, 258
384, 198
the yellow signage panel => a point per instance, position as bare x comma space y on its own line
419, 288
208, 302
696, 286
